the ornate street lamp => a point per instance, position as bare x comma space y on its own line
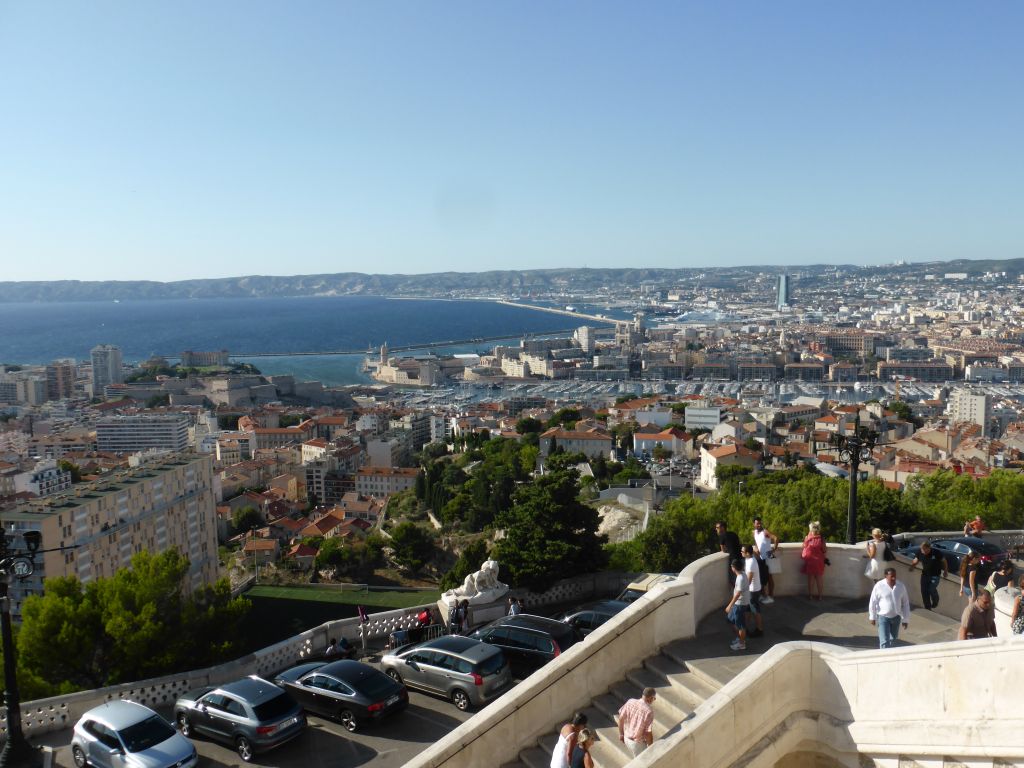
15, 564
854, 449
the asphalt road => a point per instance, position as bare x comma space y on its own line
325, 744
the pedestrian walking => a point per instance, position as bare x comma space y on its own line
567, 736
876, 549
636, 720
464, 624
814, 555
969, 575
766, 544
738, 607
753, 573
978, 619
933, 568
888, 608
514, 608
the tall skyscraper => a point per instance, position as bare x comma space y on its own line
783, 290
106, 367
60, 379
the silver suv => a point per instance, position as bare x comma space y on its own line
466, 671
122, 733
253, 715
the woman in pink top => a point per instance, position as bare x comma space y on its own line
813, 555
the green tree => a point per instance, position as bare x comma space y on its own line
74, 469
528, 424
660, 452
549, 533
469, 561
135, 625
246, 519
158, 401
565, 417
901, 409
413, 546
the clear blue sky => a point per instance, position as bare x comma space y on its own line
172, 140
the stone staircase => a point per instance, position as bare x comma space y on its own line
682, 684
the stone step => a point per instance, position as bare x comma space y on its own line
715, 671
670, 708
694, 690
535, 757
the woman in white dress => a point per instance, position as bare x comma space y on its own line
567, 741
876, 553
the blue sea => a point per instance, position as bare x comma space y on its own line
41, 332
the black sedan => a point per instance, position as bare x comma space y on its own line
589, 617
954, 550
349, 691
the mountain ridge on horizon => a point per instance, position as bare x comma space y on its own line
437, 283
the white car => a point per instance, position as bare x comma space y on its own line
122, 733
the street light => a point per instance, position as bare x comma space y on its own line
20, 565
853, 449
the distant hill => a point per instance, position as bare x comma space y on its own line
439, 284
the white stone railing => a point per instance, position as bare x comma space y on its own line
60, 712
54, 714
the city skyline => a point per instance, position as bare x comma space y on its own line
195, 141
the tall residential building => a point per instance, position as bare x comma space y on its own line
60, 379
107, 367
783, 299
585, 337
144, 432
968, 405
155, 507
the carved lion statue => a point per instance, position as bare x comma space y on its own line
484, 580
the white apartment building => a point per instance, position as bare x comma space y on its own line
143, 432
969, 405
702, 417
383, 481
45, 479
107, 367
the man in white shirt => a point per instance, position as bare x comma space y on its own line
888, 607
754, 577
739, 606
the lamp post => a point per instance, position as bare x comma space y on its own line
853, 449
15, 564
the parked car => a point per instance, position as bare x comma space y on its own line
466, 671
123, 733
252, 714
589, 617
640, 586
351, 692
528, 641
955, 548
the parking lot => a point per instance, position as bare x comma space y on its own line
325, 744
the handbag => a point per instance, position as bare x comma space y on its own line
774, 564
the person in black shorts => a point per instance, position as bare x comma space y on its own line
933, 567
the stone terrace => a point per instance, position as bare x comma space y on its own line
687, 672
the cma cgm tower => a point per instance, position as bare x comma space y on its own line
783, 290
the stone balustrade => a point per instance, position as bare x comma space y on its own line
821, 697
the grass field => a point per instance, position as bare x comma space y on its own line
375, 598
282, 612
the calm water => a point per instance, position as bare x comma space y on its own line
39, 333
